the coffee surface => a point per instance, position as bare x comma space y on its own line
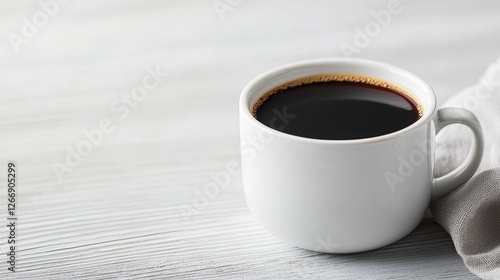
337, 108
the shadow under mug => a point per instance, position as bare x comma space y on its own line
345, 196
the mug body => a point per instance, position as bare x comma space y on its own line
338, 196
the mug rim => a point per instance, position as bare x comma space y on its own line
244, 105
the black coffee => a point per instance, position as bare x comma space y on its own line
337, 107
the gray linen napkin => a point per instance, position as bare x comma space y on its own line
471, 214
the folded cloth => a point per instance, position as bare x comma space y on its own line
471, 214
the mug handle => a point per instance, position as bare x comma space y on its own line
466, 170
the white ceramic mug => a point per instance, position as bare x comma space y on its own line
344, 196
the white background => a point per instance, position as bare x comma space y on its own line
117, 215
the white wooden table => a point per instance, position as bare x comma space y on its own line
119, 210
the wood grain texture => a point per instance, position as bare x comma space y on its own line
118, 214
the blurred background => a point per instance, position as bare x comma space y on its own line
65, 66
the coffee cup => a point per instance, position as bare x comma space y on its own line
354, 195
